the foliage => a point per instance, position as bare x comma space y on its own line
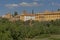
20, 30
15, 13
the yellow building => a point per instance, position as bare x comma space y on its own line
45, 16
25, 17
8, 16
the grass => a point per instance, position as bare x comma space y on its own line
45, 37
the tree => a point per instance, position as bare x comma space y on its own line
15, 13
58, 9
32, 11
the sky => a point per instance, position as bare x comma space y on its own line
10, 6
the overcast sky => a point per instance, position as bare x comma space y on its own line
28, 5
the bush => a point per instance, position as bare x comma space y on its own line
19, 30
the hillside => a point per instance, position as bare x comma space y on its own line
20, 30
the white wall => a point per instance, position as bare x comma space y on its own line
29, 18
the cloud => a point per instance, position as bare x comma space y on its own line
11, 5
24, 4
30, 4
55, 4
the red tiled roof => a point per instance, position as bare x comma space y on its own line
51, 13
28, 15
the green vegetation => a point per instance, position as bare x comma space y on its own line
15, 13
20, 30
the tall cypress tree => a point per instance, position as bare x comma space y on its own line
32, 11
58, 9
15, 13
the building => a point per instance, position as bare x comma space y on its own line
8, 16
15, 18
11, 17
26, 17
44, 16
